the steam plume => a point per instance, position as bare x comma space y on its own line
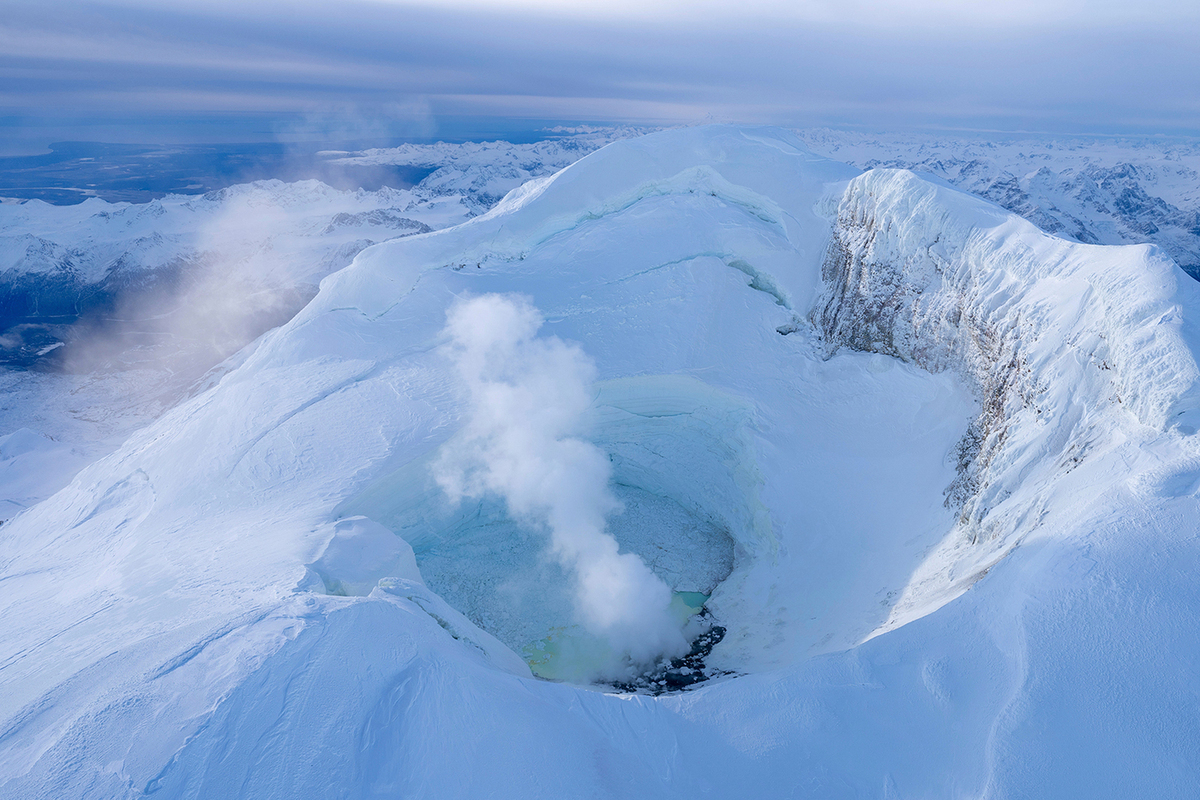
528, 397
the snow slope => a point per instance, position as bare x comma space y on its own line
117, 309
875, 386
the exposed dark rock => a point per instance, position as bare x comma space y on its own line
680, 673
379, 217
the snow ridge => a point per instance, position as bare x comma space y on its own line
1062, 343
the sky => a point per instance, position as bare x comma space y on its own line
184, 71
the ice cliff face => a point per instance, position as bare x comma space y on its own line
849, 396
1063, 344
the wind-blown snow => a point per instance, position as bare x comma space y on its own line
875, 386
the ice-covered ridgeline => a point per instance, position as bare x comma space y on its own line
1067, 347
1095, 190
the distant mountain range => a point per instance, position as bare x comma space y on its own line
1092, 190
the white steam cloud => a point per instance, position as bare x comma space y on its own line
528, 398
229, 274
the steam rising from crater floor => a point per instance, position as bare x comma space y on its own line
528, 397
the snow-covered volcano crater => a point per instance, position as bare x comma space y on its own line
829, 402
690, 322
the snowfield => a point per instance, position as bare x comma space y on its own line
935, 470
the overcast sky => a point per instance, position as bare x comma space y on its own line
252, 70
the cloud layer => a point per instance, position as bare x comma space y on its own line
1069, 65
